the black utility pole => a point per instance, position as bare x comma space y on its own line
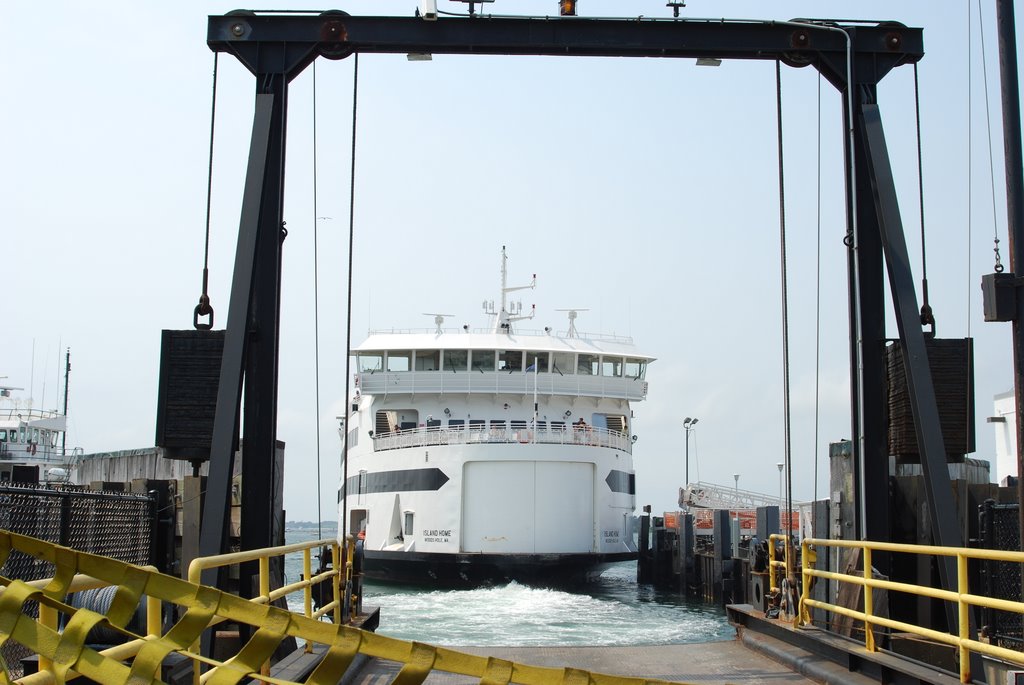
1014, 208
67, 374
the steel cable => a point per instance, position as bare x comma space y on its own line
316, 318
817, 312
785, 302
204, 308
927, 317
348, 312
988, 123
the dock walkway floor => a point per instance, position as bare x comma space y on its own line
709, 663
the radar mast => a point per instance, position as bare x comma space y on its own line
510, 311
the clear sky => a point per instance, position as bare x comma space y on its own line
645, 190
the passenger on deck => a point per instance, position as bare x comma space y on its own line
579, 429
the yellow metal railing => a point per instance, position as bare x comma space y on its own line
962, 597
140, 659
268, 596
774, 563
263, 556
49, 618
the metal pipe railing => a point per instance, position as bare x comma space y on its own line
49, 617
962, 640
774, 563
471, 435
266, 596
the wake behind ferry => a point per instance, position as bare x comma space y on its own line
485, 456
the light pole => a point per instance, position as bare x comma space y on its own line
688, 425
736, 477
781, 465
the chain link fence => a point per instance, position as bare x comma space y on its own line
999, 526
118, 525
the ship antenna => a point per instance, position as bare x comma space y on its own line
504, 318
573, 313
438, 321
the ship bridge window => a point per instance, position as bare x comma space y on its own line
562, 363
558, 425
370, 362
456, 424
433, 423
456, 360
511, 360
399, 360
3, 436
482, 360
428, 360
518, 425
587, 365
611, 366
540, 359
477, 424
635, 368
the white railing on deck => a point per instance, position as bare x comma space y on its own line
426, 437
500, 382
590, 337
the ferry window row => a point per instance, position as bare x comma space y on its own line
29, 435
563, 363
398, 420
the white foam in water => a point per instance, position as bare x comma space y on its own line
613, 611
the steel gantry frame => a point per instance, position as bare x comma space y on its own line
852, 57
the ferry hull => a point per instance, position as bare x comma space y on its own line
474, 570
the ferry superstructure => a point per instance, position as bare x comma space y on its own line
480, 456
32, 442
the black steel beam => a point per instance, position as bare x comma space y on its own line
286, 44
939, 489
866, 279
853, 58
259, 423
213, 534
1014, 165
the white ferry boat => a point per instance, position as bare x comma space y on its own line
484, 456
32, 446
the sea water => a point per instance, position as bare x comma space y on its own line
614, 610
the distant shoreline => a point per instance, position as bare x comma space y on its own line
310, 525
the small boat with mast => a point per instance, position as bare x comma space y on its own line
33, 441
485, 456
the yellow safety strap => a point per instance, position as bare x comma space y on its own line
205, 606
339, 656
418, 663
